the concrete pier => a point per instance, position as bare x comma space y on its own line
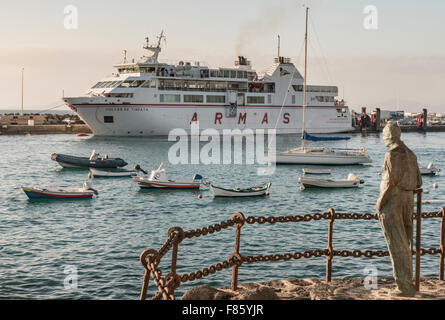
44, 129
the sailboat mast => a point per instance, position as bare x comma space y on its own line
23, 69
304, 83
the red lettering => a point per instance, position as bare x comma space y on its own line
218, 117
242, 117
286, 118
194, 118
265, 119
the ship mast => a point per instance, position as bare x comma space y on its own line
155, 49
23, 69
304, 83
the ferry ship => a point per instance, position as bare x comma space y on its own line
150, 98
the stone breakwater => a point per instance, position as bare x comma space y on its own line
316, 289
44, 129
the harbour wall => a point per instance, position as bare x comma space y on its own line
44, 129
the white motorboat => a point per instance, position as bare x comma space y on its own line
309, 155
315, 171
351, 182
158, 179
430, 170
237, 192
116, 173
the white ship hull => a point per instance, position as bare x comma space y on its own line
159, 120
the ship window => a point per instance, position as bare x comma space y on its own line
217, 86
204, 73
125, 84
136, 83
149, 84
216, 99
108, 119
253, 99
293, 99
170, 97
96, 85
226, 74
251, 76
196, 85
213, 73
270, 87
269, 99
233, 74
193, 98
220, 74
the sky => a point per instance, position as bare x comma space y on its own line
398, 66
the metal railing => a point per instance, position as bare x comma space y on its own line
166, 285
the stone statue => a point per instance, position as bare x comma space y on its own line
400, 177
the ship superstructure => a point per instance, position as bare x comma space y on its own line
150, 97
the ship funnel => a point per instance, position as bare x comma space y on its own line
282, 60
242, 61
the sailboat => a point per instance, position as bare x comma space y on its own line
323, 155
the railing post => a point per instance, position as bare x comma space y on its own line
442, 244
173, 278
418, 236
240, 217
143, 258
329, 247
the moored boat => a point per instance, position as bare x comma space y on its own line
94, 161
315, 171
430, 170
74, 193
237, 192
112, 173
158, 179
351, 182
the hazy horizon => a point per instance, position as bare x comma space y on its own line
401, 65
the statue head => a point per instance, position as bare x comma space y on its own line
391, 134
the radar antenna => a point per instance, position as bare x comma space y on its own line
155, 49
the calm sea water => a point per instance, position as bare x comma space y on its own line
103, 237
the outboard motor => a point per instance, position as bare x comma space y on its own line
87, 186
138, 168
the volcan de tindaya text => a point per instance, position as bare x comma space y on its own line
150, 98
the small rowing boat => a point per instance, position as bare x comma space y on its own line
351, 182
158, 179
86, 192
94, 161
237, 192
316, 171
